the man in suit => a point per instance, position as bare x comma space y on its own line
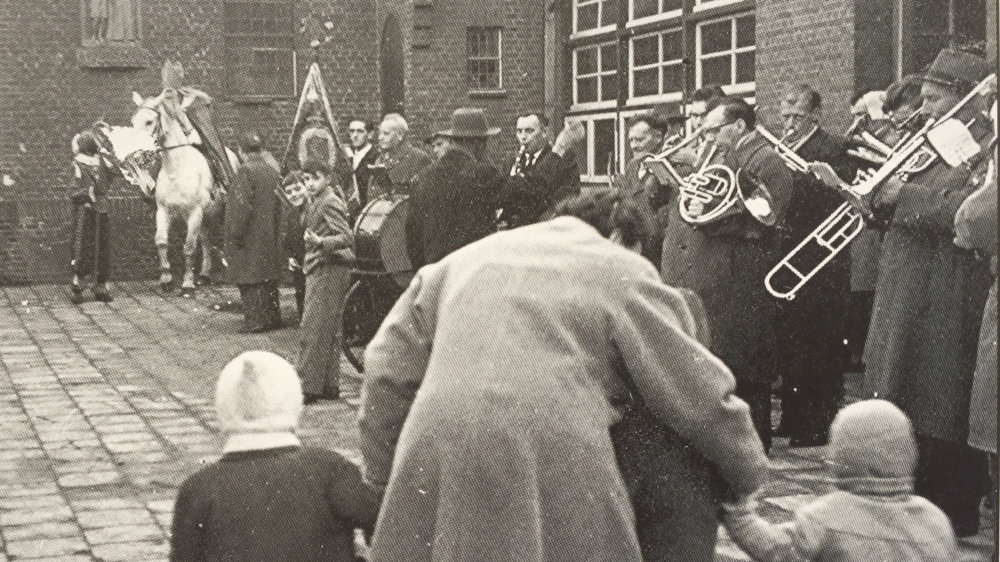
398, 162
645, 137
253, 238
725, 261
454, 201
812, 356
541, 176
362, 155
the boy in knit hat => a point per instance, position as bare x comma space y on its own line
268, 497
873, 515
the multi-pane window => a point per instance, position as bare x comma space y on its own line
649, 8
483, 56
935, 24
259, 48
594, 14
110, 21
726, 51
595, 73
656, 64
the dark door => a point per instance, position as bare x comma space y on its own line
390, 68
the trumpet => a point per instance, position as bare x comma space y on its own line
840, 228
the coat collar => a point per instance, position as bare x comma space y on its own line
241, 442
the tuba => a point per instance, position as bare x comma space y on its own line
840, 228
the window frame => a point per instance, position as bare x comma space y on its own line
599, 74
660, 96
499, 59
659, 16
731, 52
600, 29
293, 92
87, 41
589, 174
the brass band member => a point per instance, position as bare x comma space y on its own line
811, 358
921, 349
902, 101
725, 262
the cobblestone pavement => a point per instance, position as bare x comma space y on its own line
107, 407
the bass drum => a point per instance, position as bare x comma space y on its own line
380, 238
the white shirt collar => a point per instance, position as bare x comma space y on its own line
358, 155
240, 442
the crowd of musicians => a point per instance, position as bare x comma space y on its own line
590, 376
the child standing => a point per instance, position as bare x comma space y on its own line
268, 497
329, 244
91, 237
292, 232
872, 516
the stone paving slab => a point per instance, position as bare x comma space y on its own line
108, 407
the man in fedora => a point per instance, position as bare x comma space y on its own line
455, 198
929, 298
542, 174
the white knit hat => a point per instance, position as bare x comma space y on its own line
258, 392
873, 448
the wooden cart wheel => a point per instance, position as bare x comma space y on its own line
357, 314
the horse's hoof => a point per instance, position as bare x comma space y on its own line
187, 292
203, 280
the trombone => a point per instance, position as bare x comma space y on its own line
834, 234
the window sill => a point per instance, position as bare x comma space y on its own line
256, 100
123, 55
487, 94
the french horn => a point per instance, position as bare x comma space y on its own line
704, 196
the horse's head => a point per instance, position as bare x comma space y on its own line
147, 115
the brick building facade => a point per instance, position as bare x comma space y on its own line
595, 61
58, 78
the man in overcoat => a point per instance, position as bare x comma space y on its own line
645, 136
455, 198
398, 162
929, 298
542, 174
811, 328
253, 237
725, 261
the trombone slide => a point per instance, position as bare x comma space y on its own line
815, 251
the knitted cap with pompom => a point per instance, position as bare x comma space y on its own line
258, 392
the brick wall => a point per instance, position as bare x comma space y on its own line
435, 74
806, 41
46, 96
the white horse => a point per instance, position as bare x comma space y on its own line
184, 190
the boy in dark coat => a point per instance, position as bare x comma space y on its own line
91, 237
268, 498
252, 239
329, 246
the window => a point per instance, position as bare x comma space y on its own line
656, 67
725, 51
931, 25
592, 15
651, 8
259, 48
483, 56
597, 154
595, 74
110, 21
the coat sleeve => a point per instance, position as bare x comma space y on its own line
683, 384
395, 364
341, 237
239, 208
930, 204
976, 219
352, 499
187, 533
794, 541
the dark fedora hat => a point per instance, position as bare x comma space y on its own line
469, 123
951, 67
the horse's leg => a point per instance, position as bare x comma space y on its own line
209, 234
162, 246
190, 246
207, 250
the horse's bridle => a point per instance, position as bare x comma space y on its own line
158, 133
